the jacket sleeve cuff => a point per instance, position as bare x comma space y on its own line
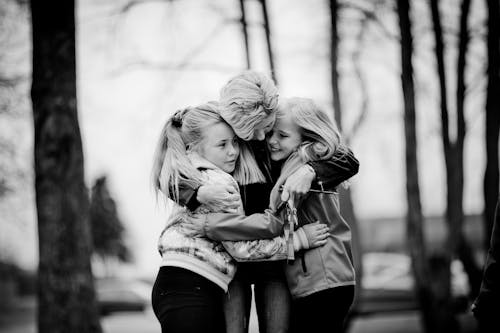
300, 241
192, 203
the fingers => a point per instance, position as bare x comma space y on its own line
285, 195
231, 206
323, 236
230, 189
298, 183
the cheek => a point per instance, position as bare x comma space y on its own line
291, 144
259, 135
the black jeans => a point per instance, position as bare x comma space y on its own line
185, 302
323, 311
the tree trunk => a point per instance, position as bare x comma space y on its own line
456, 215
346, 203
268, 40
245, 32
453, 152
414, 216
491, 176
66, 297
442, 277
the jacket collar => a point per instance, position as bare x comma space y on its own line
200, 162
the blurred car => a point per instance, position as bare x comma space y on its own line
387, 284
117, 295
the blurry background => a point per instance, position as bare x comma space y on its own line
139, 61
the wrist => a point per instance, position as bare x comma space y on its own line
310, 169
300, 240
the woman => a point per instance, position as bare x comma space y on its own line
249, 104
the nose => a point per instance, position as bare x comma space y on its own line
232, 150
271, 139
259, 135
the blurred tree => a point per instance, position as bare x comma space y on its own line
454, 152
435, 318
107, 229
267, 30
346, 204
491, 175
66, 296
244, 27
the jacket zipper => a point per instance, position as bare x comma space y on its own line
303, 262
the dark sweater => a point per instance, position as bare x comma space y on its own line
329, 173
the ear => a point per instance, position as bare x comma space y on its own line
194, 148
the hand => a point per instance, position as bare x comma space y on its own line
316, 235
298, 183
194, 225
219, 196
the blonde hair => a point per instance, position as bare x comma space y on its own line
247, 99
182, 132
320, 136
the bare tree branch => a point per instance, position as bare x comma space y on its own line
134, 3
370, 14
183, 64
13, 80
160, 66
356, 55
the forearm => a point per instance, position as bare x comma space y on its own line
342, 166
235, 227
278, 248
258, 250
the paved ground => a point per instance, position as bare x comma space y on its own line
22, 320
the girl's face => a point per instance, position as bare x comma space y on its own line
220, 146
264, 127
284, 138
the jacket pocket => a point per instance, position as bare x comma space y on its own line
303, 263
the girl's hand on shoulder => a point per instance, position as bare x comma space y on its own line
298, 183
219, 197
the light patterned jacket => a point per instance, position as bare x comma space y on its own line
214, 260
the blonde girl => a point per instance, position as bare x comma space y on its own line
303, 132
198, 147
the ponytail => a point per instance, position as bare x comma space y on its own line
171, 164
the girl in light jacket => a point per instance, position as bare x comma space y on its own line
321, 280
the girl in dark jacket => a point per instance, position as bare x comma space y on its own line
321, 280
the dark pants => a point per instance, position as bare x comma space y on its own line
186, 302
324, 311
272, 298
